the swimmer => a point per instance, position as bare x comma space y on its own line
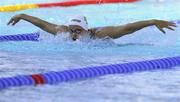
78, 25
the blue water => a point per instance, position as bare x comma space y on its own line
55, 54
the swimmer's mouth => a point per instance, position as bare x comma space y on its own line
74, 39
73, 36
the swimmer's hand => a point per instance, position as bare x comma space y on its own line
15, 19
160, 24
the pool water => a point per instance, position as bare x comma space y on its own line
56, 54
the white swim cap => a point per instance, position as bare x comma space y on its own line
80, 21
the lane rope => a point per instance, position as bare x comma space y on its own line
13, 8
20, 37
89, 72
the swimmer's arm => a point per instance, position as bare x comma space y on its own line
44, 25
118, 31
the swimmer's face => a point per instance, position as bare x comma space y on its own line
76, 31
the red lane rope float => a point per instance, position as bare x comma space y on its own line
84, 2
38, 79
13, 8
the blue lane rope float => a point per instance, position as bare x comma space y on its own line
89, 72
20, 37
